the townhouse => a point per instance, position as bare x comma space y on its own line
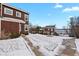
13, 20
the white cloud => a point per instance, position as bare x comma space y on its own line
71, 9
58, 6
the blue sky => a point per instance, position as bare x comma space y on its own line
43, 14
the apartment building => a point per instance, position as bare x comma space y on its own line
13, 19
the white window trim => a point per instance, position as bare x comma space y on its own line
8, 9
19, 14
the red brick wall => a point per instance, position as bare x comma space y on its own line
9, 26
0, 11
14, 13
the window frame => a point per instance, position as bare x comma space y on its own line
8, 9
18, 13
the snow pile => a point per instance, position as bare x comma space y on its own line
15, 47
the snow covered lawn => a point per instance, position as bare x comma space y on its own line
77, 45
15, 47
37, 44
49, 45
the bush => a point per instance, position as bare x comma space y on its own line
14, 35
26, 33
55, 33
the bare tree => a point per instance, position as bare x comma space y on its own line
73, 28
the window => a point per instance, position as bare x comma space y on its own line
18, 14
26, 17
8, 11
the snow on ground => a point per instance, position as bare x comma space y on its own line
48, 45
15, 47
43, 41
77, 44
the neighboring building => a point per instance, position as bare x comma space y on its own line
49, 29
13, 19
32, 29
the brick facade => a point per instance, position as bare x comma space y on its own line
0, 11
10, 23
9, 27
14, 13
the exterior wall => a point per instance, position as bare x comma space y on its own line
12, 20
0, 27
48, 31
33, 30
0, 20
14, 13
9, 27
12, 23
0, 12
0, 9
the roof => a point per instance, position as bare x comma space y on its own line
50, 26
6, 4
